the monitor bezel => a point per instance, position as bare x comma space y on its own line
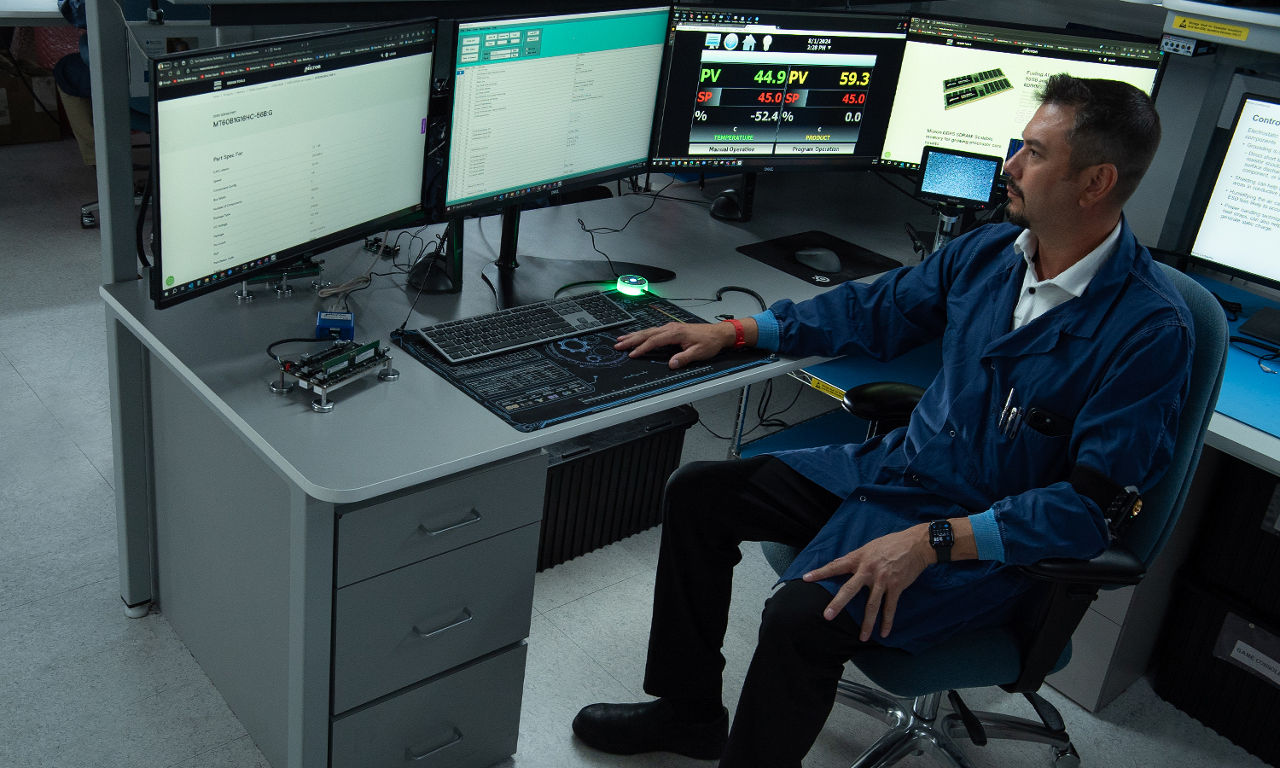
1096, 33
490, 204
1217, 160
951, 200
770, 163
403, 217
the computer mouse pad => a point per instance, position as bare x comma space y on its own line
549, 383
855, 261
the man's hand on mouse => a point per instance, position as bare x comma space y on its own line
697, 341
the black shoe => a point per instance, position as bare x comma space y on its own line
653, 726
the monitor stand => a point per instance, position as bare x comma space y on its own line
952, 221
441, 273
536, 278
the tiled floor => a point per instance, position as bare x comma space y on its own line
80, 685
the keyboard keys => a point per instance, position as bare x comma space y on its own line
518, 327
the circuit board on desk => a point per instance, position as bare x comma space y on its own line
561, 380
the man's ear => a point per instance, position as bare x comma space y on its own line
1099, 180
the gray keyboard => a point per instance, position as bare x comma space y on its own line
518, 327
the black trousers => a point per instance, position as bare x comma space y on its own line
711, 508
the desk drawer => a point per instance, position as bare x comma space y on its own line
420, 620
452, 513
466, 719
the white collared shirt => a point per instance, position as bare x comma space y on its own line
1039, 296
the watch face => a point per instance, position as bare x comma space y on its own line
940, 534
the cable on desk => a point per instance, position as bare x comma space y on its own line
434, 259
301, 339
763, 416
1272, 353
880, 175
720, 297
593, 231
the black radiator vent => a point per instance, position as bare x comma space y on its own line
606, 486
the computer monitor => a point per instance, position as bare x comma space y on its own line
971, 85
267, 152
756, 90
545, 104
1239, 232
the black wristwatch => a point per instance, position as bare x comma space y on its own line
941, 538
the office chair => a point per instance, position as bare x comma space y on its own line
1017, 658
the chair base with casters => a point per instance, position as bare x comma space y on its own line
916, 728
914, 717
1017, 657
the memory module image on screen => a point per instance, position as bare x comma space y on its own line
969, 88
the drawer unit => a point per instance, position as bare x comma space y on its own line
404, 529
468, 718
420, 620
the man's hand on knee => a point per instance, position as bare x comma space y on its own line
885, 566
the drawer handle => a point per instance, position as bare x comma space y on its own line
466, 616
410, 756
474, 518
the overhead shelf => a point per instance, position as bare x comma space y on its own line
1254, 28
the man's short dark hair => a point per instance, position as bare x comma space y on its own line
1115, 123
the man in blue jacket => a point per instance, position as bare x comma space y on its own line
1066, 356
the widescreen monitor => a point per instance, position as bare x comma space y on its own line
543, 104
270, 151
1239, 232
972, 85
753, 90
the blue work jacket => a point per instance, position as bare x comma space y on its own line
1115, 362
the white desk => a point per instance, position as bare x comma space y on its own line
287, 548
30, 13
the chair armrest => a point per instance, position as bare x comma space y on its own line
1115, 567
882, 400
1068, 587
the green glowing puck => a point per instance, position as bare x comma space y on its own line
632, 285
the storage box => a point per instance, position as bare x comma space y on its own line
1238, 549
28, 104
606, 486
1222, 667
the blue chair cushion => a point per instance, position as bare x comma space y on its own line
981, 657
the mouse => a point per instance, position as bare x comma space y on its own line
819, 259
727, 206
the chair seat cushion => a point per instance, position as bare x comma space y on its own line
974, 659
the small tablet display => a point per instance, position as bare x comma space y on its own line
954, 178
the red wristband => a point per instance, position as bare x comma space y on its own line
739, 335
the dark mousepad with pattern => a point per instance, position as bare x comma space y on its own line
549, 383
855, 261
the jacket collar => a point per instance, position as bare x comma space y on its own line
1079, 317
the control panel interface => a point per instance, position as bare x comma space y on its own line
972, 86
543, 102
268, 151
1240, 229
755, 89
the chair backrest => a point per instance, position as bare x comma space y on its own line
1162, 504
